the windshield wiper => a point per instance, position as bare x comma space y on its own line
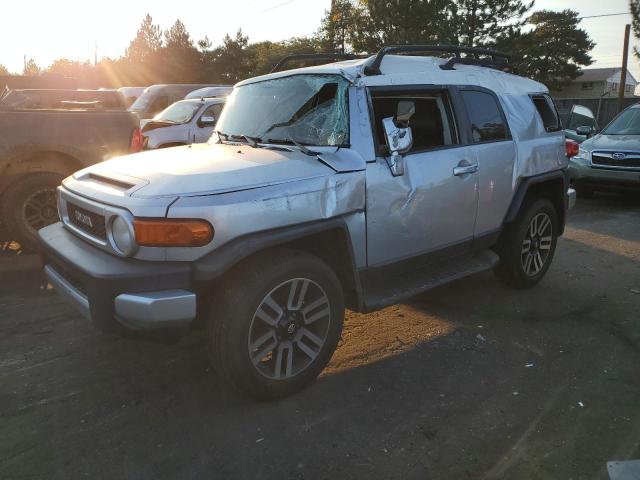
291, 141
253, 141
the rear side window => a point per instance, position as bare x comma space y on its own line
548, 114
487, 122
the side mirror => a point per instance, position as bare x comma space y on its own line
584, 130
404, 112
207, 121
398, 135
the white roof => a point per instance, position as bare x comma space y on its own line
417, 70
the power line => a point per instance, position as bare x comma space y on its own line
277, 6
604, 15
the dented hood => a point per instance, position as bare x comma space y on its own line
204, 169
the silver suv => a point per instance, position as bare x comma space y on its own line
354, 184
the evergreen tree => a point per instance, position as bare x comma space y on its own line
31, 68
148, 41
177, 37
554, 51
634, 6
474, 23
3, 70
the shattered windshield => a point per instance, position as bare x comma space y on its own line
179, 112
308, 109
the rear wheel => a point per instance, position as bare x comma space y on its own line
277, 323
527, 246
29, 205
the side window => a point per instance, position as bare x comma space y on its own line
581, 116
547, 110
211, 111
159, 104
487, 122
431, 125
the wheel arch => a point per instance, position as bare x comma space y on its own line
329, 240
551, 185
51, 161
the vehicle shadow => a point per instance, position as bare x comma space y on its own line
471, 380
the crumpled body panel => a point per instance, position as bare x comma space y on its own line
241, 213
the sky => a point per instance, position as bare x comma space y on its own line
46, 30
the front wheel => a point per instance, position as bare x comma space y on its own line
277, 323
528, 245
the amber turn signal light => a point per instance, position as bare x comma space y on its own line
167, 232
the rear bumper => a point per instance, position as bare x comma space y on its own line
114, 292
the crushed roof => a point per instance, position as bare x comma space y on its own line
416, 70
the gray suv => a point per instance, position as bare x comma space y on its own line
355, 184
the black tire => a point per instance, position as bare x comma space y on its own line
19, 207
235, 309
512, 269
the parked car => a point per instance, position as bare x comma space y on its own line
45, 135
611, 159
158, 97
53, 99
210, 92
579, 123
355, 184
131, 94
183, 123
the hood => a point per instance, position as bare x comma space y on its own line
613, 142
204, 169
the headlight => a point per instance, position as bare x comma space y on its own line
582, 154
122, 236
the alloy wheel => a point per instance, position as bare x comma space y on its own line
289, 328
536, 245
40, 209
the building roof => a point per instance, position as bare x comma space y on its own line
596, 74
604, 74
416, 70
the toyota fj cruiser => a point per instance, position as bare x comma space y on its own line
353, 184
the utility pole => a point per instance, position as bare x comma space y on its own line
24, 64
623, 73
95, 53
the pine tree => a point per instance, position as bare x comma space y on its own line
554, 51
148, 41
634, 6
474, 23
31, 68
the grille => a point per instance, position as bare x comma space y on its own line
630, 161
91, 223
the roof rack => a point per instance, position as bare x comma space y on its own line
313, 56
472, 56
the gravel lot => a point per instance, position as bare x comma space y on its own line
470, 381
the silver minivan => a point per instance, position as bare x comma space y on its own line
183, 123
158, 97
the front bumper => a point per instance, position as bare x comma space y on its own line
582, 174
571, 198
113, 292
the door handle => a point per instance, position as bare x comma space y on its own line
464, 167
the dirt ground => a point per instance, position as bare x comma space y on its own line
469, 381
